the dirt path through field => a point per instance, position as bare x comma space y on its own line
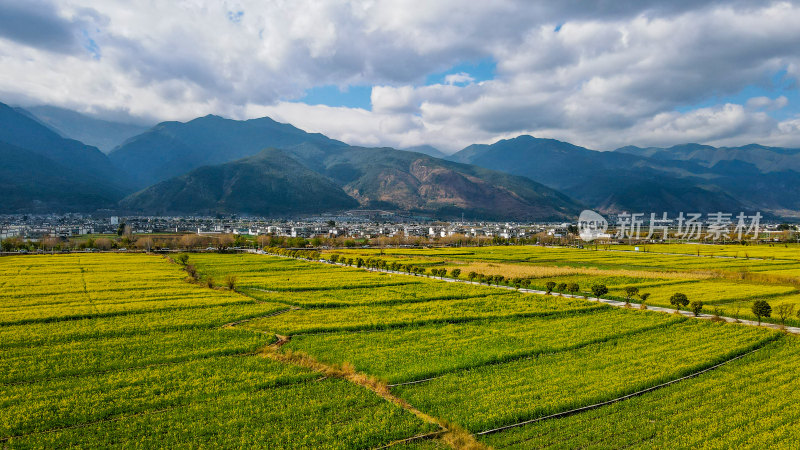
448, 433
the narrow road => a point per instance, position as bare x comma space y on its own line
616, 303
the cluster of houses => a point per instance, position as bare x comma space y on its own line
350, 227
65, 226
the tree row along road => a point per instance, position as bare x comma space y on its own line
616, 303
387, 395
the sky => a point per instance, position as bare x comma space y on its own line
402, 73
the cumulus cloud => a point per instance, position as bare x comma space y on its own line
601, 74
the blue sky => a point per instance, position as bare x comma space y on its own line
359, 96
778, 84
447, 73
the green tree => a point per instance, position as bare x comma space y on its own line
455, 273
630, 291
599, 290
761, 309
697, 307
182, 259
784, 310
334, 258
573, 288
561, 287
209, 281
550, 285
471, 276
679, 300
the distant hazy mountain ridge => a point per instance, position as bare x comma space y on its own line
103, 134
213, 165
681, 178
43, 172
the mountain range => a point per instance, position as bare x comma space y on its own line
213, 165
688, 177
43, 172
103, 134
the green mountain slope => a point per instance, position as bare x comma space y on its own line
32, 183
610, 181
267, 184
22, 131
390, 179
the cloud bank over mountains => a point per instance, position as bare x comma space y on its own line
601, 74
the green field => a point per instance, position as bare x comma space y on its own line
721, 277
117, 350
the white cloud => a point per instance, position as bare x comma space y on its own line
767, 103
459, 78
613, 74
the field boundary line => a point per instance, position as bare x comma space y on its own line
615, 303
454, 320
365, 381
95, 422
311, 305
625, 397
522, 356
125, 369
120, 313
272, 314
418, 437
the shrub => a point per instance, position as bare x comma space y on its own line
230, 281
191, 270
761, 309
209, 281
182, 259
644, 296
